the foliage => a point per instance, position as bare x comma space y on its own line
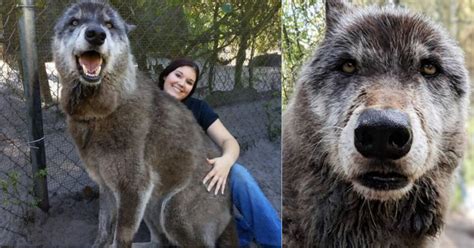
216, 32
302, 29
12, 195
225, 25
226, 33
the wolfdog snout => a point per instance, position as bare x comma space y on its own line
95, 35
383, 134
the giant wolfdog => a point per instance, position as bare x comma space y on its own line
374, 132
142, 147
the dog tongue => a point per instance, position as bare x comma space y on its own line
91, 61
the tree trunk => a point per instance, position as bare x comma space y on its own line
252, 52
240, 60
215, 45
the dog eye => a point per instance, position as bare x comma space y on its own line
428, 69
74, 22
109, 25
349, 67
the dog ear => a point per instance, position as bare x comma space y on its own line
334, 10
129, 27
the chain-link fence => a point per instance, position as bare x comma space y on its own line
236, 45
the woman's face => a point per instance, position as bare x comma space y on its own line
180, 82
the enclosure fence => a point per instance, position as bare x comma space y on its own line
235, 44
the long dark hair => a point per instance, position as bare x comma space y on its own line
173, 66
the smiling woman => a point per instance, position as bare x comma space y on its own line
180, 82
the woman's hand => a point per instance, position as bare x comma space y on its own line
219, 173
230, 152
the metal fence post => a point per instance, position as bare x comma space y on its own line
31, 87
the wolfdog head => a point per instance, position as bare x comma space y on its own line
90, 45
386, 96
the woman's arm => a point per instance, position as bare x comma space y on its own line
230, 152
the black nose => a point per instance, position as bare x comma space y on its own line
383, 134
95, 35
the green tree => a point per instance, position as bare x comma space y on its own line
302, 29
239, 25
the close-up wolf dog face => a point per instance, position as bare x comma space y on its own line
86, 35
374, 131
389, 90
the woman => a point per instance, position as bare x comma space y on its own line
259, 220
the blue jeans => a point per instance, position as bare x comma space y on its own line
259, 219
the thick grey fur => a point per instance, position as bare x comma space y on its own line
321, 205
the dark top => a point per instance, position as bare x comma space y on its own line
202, 112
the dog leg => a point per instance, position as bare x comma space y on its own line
131, 203
107, 217
181, 228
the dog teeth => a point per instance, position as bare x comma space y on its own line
94, 73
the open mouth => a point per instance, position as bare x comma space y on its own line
90, 65
383, 181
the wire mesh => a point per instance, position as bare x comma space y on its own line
236, 45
